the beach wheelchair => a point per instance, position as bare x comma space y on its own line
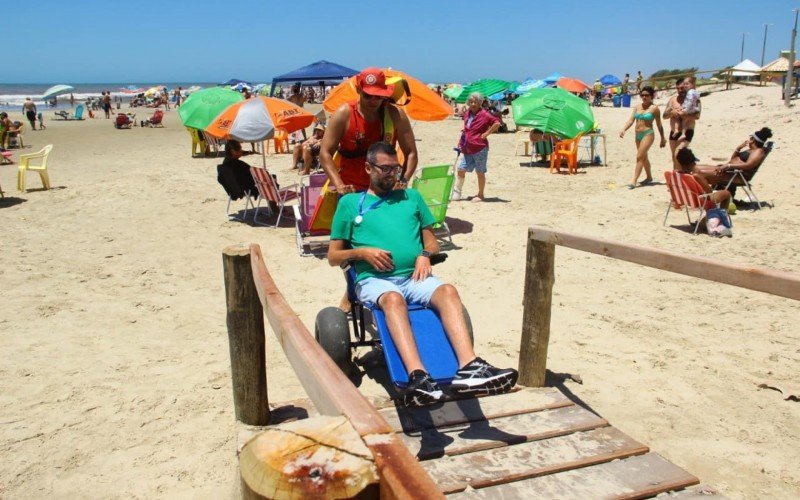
332, 330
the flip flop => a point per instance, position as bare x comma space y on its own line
631, 186
646, 182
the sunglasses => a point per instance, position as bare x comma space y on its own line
386, 169
645, 94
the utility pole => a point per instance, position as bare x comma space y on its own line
741, 57
764, 46
787, 89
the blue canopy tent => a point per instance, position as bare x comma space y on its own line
321, 72
610, 80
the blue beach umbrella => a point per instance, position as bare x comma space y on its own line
609, 80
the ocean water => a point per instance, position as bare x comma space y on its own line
12, 95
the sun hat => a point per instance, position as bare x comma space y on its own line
372, 81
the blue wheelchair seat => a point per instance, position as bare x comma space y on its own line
434, 347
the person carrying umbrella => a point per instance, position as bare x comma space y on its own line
478, 125
357, 125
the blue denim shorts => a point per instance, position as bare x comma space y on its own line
415, 292
476, 162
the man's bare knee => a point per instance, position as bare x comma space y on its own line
392, 300
446, 293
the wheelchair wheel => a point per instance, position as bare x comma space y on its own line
469, 325
333, 333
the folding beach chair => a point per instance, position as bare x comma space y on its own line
155, 120
268, 190
543, 149
742, 179
310, 192
685, 192
435, 184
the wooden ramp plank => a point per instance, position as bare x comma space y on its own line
635, 477
699, 492
498, 432
532, 459
468, 410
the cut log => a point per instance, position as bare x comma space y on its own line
321, 457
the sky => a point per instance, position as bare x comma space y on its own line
436, 40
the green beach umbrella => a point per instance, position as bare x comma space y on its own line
201, 107
553, 111
452, 92
485, 87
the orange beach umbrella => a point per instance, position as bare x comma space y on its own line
256, 119
571, 84
424, 104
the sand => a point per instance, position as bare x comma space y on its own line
115, 377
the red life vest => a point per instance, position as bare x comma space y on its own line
359, 136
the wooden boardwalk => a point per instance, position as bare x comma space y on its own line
530, 443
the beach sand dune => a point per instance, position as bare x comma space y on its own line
115, 375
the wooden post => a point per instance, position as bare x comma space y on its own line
537, 300
245, 321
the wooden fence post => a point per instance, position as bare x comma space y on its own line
245, 321
536, 300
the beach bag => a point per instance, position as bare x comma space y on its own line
322, 218
718, 222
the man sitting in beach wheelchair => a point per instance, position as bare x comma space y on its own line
387, 235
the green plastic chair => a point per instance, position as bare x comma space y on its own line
435, 183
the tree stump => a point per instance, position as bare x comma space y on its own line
321, 457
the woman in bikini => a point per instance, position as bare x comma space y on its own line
644, 114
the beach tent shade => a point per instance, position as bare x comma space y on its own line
571, 84
609, 80
552, 79
779, 65
234, 81
486, 87
553, 111
320, 71
56, 90
746, 68
424, 104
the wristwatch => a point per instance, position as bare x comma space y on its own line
426, 253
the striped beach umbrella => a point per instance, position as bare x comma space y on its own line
56, 90
257, 118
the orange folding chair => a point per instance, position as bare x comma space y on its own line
565, 150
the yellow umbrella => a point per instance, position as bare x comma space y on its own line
153, 91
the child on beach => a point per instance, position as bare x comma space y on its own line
41, 121
688, 113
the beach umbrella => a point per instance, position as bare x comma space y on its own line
610, 80
552, 79
571, 84
497, 97
132, 89
153, 91
553, 111
256, 119
201, 107
486, 87
56, 90
422, 104
529, 84
452, 92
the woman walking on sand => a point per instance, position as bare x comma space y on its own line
478, 125
644, 115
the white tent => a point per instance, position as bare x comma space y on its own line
746, 68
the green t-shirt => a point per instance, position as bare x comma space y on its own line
394, 225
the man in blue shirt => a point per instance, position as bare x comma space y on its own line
388, 234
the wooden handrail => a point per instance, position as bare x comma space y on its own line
539, 277
761, 279
333, 394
